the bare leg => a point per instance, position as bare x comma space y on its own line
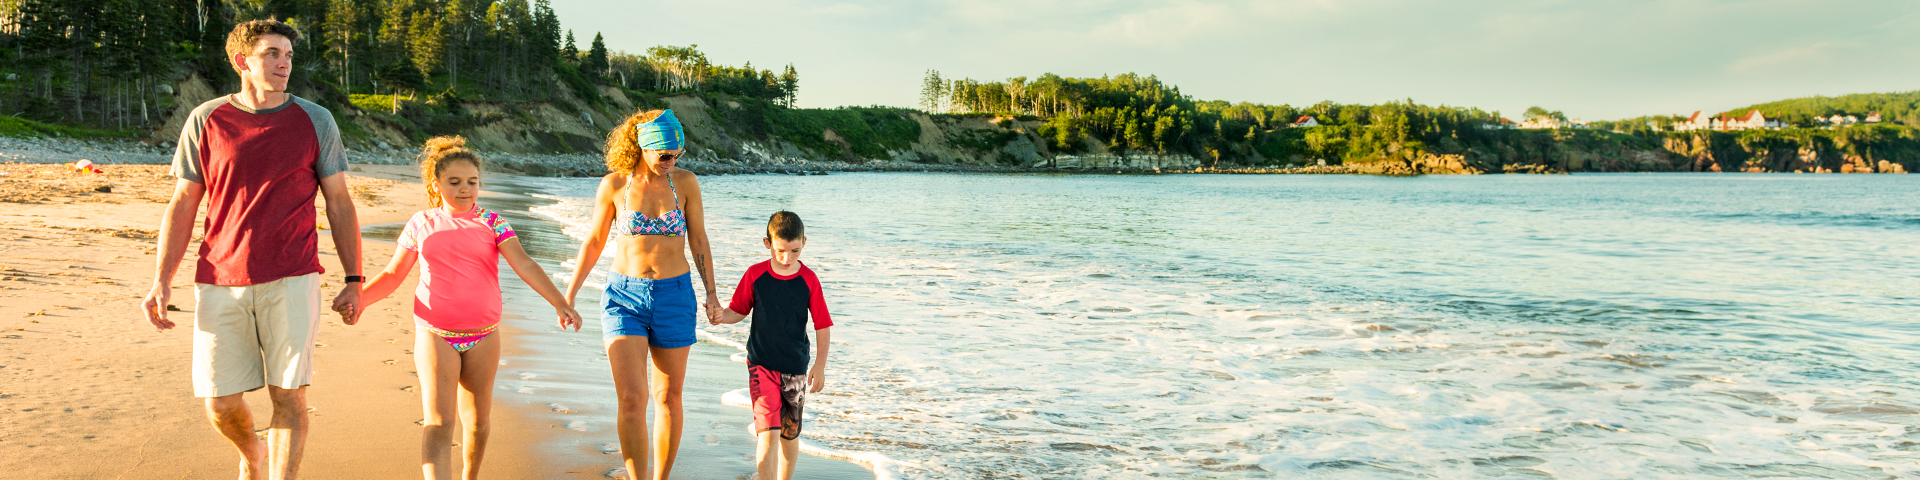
628, 356
789, 455
669, 379
288, 437
767, 457
229, 414
477, 368
439, 368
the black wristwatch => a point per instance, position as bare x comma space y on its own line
356, 279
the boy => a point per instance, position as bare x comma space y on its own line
781, 294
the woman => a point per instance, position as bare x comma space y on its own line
653, 211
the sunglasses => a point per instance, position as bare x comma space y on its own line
668, 157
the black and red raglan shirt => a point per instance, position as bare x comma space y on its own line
780, 307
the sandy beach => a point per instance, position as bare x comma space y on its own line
89, 390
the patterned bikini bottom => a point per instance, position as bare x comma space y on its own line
462, 341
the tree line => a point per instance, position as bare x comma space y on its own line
110, 63
1129, 112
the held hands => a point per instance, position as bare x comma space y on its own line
347, 304
568, 317
714, 315
155, 307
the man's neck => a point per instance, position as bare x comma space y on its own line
256, 99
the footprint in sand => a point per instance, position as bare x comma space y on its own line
577, 425
558, 408
609, 448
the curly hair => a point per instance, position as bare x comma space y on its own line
240, 41
623, 150
439, 152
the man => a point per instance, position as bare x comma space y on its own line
258, 157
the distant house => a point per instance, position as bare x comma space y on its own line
1699, 121
1837, 120
1852, 120
1873, 117
1304, 121
1500, 123
1752, 120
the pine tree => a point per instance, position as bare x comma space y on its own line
427, 42
596, 63
790, 85
570, 53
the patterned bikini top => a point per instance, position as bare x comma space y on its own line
672, 224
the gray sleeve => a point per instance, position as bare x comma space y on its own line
186, 155
333, 154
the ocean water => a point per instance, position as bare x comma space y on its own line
1197, 326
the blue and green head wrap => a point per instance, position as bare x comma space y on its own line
663, 133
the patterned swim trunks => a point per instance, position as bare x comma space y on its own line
777, 400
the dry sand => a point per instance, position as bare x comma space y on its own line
89, 390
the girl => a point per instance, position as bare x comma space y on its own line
654, 213
456, 307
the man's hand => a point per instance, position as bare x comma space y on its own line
348, 304
155, 307
817, 378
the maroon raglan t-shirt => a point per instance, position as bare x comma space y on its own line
262, 170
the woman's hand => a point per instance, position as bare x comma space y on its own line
713, 307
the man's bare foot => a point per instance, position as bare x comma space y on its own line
254, 466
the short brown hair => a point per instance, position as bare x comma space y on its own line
785, 226
623, 150
240, 40
439, 152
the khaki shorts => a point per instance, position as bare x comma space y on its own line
247, 337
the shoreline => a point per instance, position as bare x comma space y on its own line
561, 384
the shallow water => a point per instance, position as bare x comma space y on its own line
1590, 326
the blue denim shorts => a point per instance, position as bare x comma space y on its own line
662, 310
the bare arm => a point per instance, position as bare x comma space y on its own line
176, 229
383, 284
344, 224
597, 240
817, 376
536, 277
727, 315
697, 236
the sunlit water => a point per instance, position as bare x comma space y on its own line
1591, 326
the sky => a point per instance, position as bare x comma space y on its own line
1592, 60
